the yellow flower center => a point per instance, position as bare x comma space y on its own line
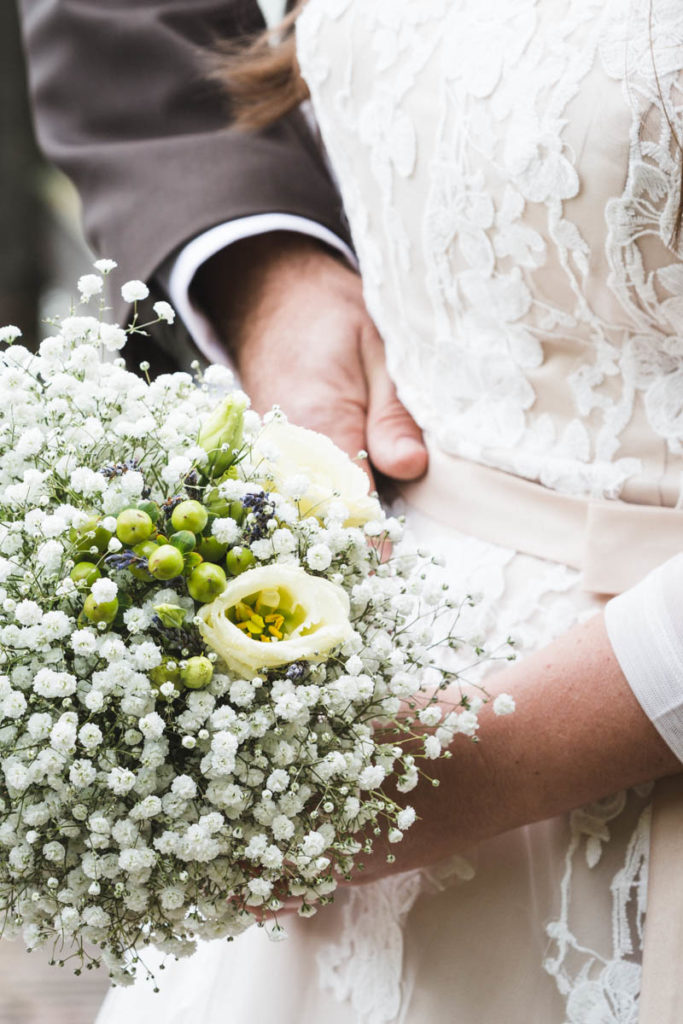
257, 616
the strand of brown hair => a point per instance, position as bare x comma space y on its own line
263, 78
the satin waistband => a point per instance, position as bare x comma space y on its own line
613, 543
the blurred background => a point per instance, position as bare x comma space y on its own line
42, 253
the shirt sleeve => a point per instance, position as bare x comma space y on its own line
178, 273
645, 628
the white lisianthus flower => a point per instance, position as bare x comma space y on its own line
165, 311
315, 617
332, 476
134, 291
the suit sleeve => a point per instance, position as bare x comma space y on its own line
124, 105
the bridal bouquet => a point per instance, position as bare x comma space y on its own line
208, 672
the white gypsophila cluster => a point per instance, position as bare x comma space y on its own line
207, 671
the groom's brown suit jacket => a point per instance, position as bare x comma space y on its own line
123, 104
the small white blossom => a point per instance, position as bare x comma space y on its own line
82, 773
48, 683
164, 311
138, 619
319, 557
90, 735
104, 590
90, 285
9, 333
120, 781
112, 337
430, 716
313, 844
226, 531
504, 704
184, 787
83, 642
134, 291
371, 777
405, 818
152, 725
432, 747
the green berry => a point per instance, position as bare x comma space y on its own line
189, 515
133, 526
206, 582
151, 508
197, 673
192, 560
236, 511
238, 560
85, 572
166, 562
184, 540
163, 674
103, 612
91, 534
145, 549
211, 549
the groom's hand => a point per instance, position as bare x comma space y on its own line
293, 317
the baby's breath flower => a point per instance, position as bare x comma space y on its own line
105, 266
139, 790
90, 285
504, 704
134, 291
164, 311
104, 590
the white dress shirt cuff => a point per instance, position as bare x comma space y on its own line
645, 628
178, 277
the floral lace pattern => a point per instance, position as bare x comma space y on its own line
510, 173
509, 231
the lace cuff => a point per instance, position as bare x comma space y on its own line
645, 628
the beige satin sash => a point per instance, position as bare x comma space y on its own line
614, 544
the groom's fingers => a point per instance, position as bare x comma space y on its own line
394, 440
303, 339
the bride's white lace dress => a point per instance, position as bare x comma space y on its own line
510, 176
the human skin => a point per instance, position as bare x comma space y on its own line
294, 320
578, 734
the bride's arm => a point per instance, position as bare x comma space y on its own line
578, 734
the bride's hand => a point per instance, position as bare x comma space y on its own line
578, 735
294, 319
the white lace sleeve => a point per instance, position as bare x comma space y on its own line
645, 628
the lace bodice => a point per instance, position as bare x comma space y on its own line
510, 175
